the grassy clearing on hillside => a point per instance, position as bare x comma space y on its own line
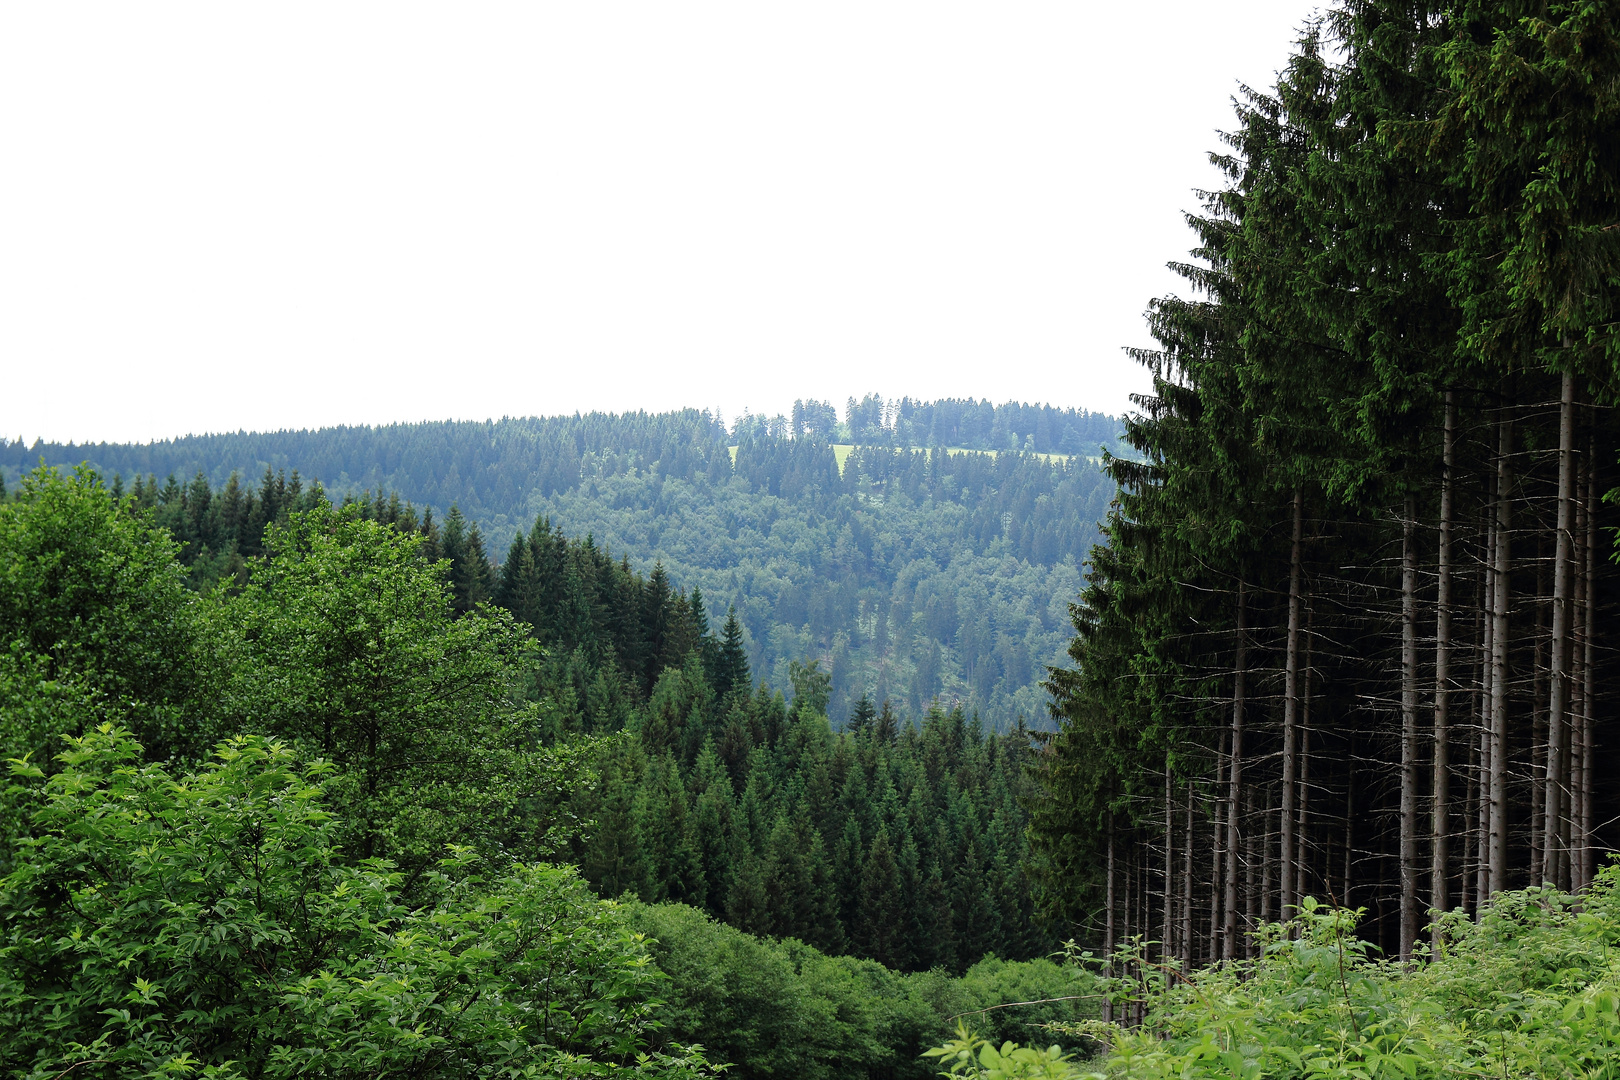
841, 452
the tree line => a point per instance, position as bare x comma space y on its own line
911, 573
964, 423
1345, 637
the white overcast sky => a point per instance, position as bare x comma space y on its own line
221, 215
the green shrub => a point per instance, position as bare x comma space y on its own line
162, 926
1531, 990
784, 1009
93, 605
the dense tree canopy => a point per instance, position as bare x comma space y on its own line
911, 573
1346, 634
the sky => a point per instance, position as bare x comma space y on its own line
222, 216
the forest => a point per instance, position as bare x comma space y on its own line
1334, 736
911, 573
574, 755
360, 800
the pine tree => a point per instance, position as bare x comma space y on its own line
731, 663
880, 921
656, 613
860, 717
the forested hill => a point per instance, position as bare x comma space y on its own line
912, 573
492, 468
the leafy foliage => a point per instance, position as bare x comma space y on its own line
92, 606
1528, 990
167, 925
341, 643
967, 1055
783, 1008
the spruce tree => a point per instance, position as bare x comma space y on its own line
860, 717
881, 915
731, 663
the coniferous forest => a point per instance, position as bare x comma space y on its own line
643, 745
912, 574
1347, 634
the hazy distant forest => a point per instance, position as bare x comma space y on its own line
640, 745
912, 574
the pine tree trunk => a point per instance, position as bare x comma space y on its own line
1290, 764
1409, 762
1235, 782
1440, 782
1538, 715
1187, 886
1584, 815
1267, 851
1498, 847
1126, 910
1577, 685
1302, 831
1251, 885
1216, 855
1108, 922
1350, 823
1557, 773
1470, 834
1487, 649
1166, 946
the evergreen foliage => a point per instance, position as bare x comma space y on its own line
901, 845
1346, 634
910, 573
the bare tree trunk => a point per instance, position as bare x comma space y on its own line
1482, 778
1350, 823
1538, 716
1125, 909
1557, 776
1166, 943
1290, 767
1251, 858
1108, 924
1497, 878
1187, 886
1216, 854
1440, 783
1267, 858
1470, 834
1409, 733
1588, 853
1302, 830
1235, 781
1577, 687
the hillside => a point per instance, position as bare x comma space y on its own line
912, 574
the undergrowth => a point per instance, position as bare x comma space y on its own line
1530, 990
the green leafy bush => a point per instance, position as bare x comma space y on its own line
1532, 989
967, 1055
162, 925
779, 1008
343, 642
93, 606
